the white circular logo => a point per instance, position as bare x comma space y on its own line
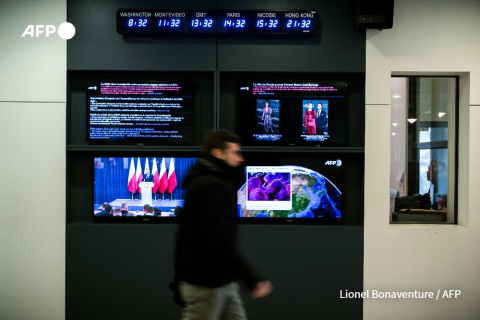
66, 30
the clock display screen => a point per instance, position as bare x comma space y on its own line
216, 22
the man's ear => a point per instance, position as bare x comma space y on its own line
217, 153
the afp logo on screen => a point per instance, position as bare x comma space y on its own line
65, 31
337, 163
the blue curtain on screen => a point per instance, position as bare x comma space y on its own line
111, 177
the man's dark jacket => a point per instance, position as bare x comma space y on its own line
321, 121
148, 178
206, 250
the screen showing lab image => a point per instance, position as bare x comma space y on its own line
315, 120
123, 186
268, 188
312, 193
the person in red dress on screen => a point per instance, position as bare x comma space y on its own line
310, 116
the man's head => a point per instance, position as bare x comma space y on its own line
104, 204
319, 106
149, 211
147, 171
124, 206
108, 208
437, 169
145, 207
224, 145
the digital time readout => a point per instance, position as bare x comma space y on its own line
137, 23
202, 23
216, 22
272, 23
170, 23
303, 24
237, 23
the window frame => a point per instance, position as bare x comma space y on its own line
413, 183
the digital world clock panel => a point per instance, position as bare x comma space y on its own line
216, 22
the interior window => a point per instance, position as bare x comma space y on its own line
423, 149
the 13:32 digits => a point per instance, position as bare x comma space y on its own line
205, 23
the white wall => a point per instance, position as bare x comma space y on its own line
428, 37
32, 158
398, 141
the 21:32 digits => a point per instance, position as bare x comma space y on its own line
304, 24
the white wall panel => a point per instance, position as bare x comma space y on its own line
33, 69
32, 158
428, 37
32, 219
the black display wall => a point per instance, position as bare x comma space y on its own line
121, 270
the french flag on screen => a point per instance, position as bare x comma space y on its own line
172, 177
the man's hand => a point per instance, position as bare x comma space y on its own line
262, 289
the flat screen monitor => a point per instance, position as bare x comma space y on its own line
292, 189
126, 184
140, 112
292, 113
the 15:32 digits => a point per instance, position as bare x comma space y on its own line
272, 23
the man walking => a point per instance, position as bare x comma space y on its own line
207, 263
